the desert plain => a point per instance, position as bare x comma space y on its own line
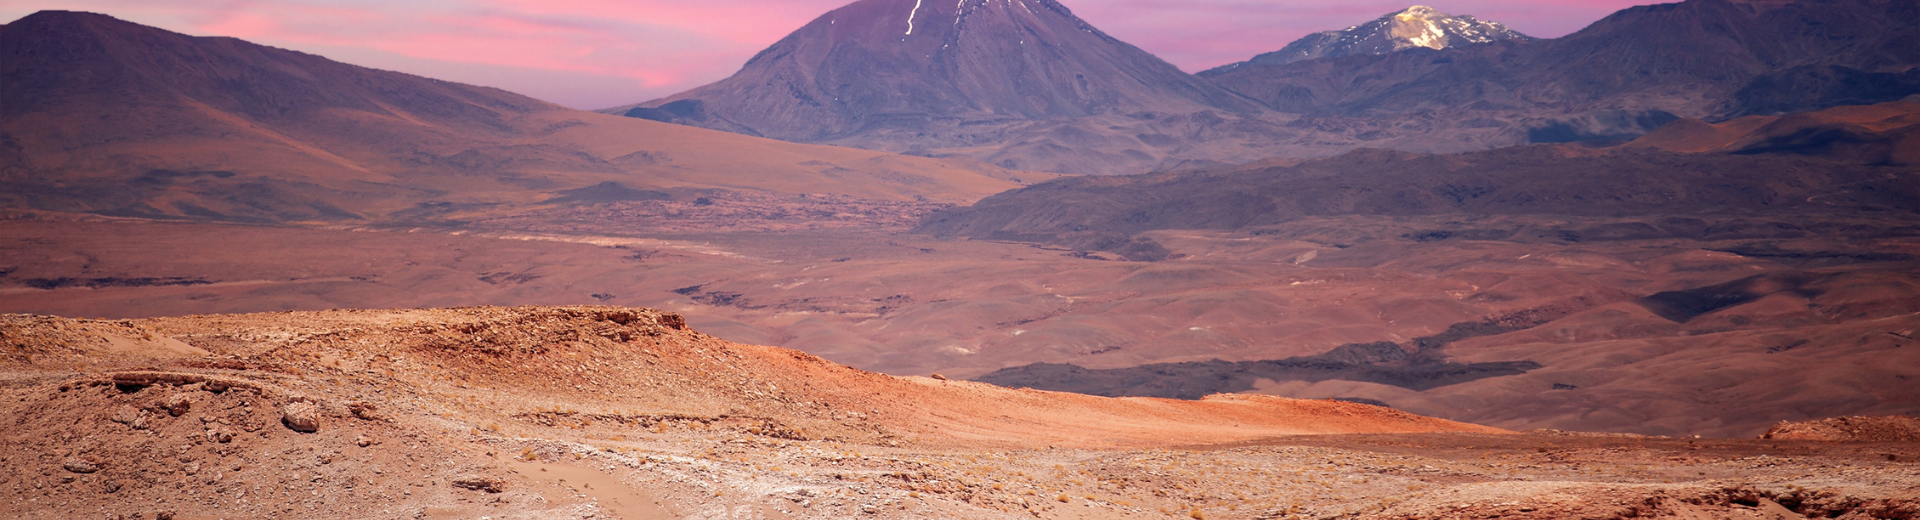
1667, 266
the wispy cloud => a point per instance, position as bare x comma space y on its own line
599, 53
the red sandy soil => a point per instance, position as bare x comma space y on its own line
609, 412
1837, 342
1849, 429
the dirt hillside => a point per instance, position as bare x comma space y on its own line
612, 412
376, 401
1849, 429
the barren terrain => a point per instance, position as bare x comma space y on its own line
1653, 335
244, 282
608, 412
1027, 85
111, 117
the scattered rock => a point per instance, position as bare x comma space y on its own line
219, 433
301, 416
1848, 429
479, 483
364, 410
362, 441
80, 466
131, 417
178, 404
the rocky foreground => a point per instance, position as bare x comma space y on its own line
608, 412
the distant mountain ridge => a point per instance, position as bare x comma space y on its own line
1414, 27
106, 116
1646, 178
966, 84
1622, 76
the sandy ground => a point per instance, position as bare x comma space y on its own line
607, 412
1838, 344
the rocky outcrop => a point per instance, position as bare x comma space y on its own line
1848, 429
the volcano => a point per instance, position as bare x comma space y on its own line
913, 71
910, 63
1024, 84
110, 117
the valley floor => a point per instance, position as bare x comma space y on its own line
1568, 323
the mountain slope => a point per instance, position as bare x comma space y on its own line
1620, 77
1414, 27
1020, 83
111, 117
1101, 213
905, 64
1886, 133
1025, 85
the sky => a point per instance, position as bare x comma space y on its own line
594, 54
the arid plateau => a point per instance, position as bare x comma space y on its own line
1007, 266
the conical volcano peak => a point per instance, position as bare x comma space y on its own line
933, 18
909, 65
908, 20
933, 27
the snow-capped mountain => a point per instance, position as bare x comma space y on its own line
1417, 26
906, 64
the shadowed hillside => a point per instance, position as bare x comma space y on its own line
109, 117
1618, 78
1024, 84
1099, 213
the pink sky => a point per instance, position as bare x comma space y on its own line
601, 53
